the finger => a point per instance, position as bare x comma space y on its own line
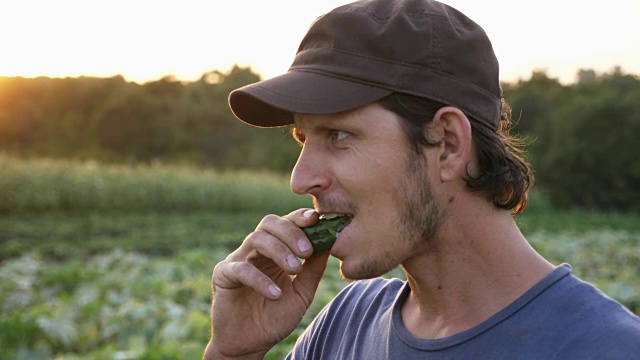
303, 217
268, 249
306, 283
287, 229
232, 275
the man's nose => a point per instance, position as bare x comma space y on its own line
310, 174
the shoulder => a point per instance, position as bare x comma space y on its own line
596, 323
591, 303
364, 297
368, 290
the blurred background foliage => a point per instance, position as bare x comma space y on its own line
581, 136
112, 120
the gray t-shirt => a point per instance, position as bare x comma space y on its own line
561, 317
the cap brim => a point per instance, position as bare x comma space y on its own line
273, 102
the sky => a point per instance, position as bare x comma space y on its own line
145, 40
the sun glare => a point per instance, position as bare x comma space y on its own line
146, 40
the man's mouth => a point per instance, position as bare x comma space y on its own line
341, 224
331, 215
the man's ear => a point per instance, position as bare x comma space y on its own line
453, 128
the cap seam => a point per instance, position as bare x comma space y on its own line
473, 110
308, 102
391, 62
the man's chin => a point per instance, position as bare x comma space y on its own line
353, 272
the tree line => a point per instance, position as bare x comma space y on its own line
112, 120
581, 137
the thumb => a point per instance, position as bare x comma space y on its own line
303, 217
306, 283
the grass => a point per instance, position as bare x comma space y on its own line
576, 221
66, 236
75, 236
45, 185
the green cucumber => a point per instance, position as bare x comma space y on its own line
324, 233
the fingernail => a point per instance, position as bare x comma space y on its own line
303, 245
308, 213
293, 261
274, 290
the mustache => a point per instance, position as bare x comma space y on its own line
333, 204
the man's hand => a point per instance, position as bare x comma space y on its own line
261, 291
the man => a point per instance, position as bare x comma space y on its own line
398, 108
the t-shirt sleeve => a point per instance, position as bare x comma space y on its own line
308, 346
303, 348
322, 338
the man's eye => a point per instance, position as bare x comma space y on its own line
338, 135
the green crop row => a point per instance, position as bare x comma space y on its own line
118, 305
44, 185
127, 305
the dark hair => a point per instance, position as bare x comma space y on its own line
505, 176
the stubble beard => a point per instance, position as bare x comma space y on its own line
418, 219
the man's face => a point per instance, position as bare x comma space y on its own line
359, 163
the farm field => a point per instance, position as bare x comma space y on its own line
113, 283
137, 286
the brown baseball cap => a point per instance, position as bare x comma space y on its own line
363, 51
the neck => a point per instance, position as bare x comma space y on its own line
472, 270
